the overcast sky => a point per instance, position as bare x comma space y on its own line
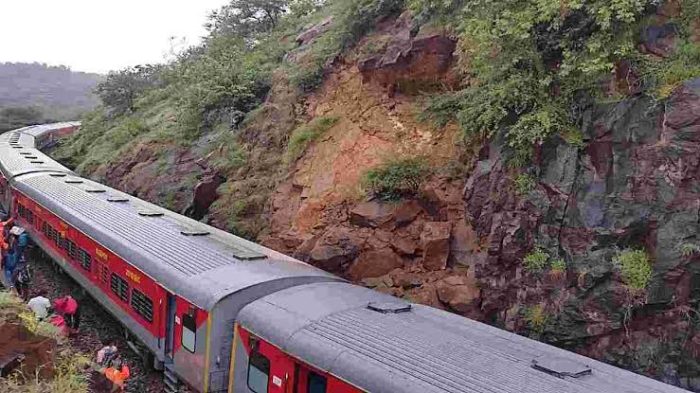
98, 35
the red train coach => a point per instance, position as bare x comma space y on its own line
222, 314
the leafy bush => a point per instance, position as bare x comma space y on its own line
529, 61
396, 178
536, 260
537, 318
524, 183
635, 267
303, 136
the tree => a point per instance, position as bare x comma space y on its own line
120, 89
17, 117
247, 18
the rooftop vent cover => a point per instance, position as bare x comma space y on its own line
245, 254
36, 162
74, 181
25, 153
194, 232
95, 190
390, 307
150, 213
31, 157
58, 175
561, 367
117, 199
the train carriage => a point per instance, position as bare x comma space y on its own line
223, 314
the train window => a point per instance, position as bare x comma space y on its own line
104, 274
142, 305
189, 335
258, 373
316, 383
85, 260
72, 250
120, 287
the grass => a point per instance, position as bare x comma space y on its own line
396, 178
558, 267
536, 260
303, 136
635, 268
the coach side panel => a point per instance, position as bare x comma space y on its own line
261, 367
132, 297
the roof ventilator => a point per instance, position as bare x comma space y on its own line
74, 181
31, 157
562, 368
150, 213
25, 153
194, 232
117, 199
36, 162
95, 190
245, 254
58, 175
390, 307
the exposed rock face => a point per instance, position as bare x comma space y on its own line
417, 61
435, 242
636, 185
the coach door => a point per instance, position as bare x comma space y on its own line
169, 327
309, 381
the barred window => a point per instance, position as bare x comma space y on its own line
104, 275
61, 242
45, 228
142, 305
25, 213
85, 259
120, 287
72, 250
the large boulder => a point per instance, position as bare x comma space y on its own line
373, 214
460, 293
374, 264
435, 242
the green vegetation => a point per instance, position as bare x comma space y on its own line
558, 266
306, 134
536, 318
635, 268
524, 183
531, 62
689, 249
69, 366
352, 20
536, 260
38, 93
396, 178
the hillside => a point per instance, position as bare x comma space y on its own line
530, 164
35, 93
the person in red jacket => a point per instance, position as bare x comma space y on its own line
68, 308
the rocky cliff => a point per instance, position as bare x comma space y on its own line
552, 251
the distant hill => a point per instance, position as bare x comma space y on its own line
34, 92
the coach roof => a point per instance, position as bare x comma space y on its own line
196, 261
421, 349
18, 159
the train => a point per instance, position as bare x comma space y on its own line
218, 313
